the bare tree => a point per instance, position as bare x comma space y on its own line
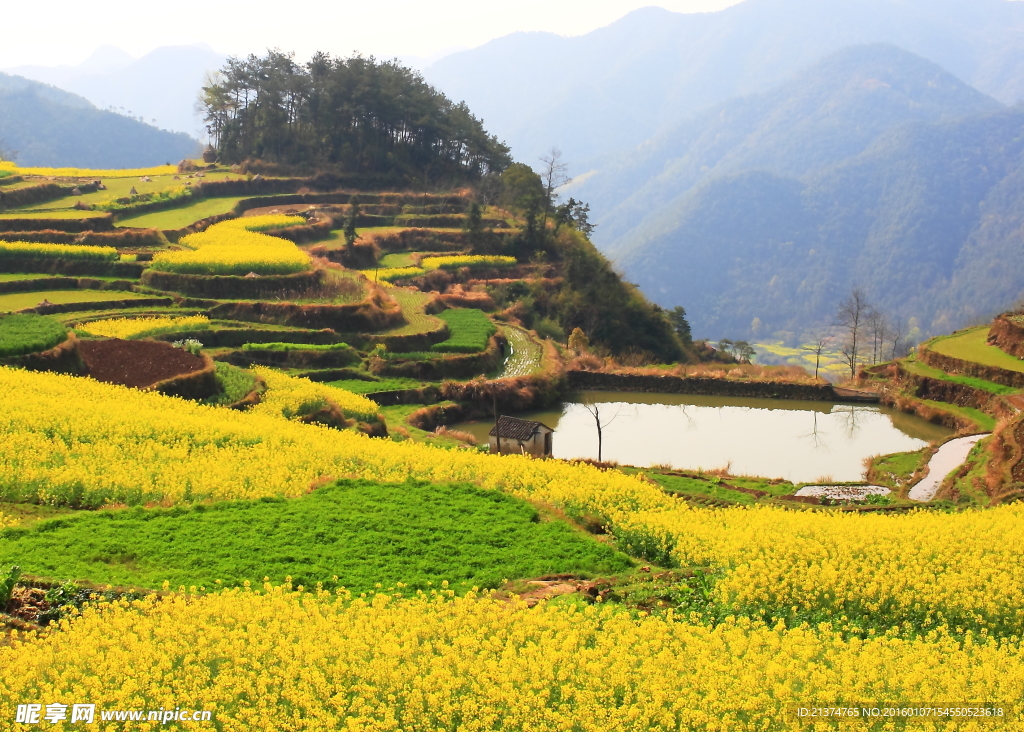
878, 325
816, 346
599, 420
554, 177
896, 339
852, 318
489, 189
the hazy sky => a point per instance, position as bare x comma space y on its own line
62, 32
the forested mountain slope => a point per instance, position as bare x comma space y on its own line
927, 220
823, 115
161, 85
50, 127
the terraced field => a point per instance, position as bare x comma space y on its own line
12, 301
412, 303
921, 369
179, 218
525, 353
972, 345
727, 613
73, 214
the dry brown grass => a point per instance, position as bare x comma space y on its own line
442, 431
744, 371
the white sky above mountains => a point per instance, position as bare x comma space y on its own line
66, 33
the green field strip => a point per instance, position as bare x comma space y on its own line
413, 303
916, 367
354, 533
22, 300
972, 345
178, 218
72, 214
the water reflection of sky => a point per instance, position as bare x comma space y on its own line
800, 441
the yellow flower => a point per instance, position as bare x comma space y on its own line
236, 247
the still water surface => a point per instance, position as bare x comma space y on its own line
776, 438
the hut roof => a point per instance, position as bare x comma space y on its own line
517, 429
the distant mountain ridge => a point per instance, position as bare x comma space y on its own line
824, 114
51, 127
619, 85
162, 85
873, 167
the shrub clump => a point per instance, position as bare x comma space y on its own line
285, 347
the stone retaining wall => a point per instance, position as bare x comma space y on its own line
1007, 333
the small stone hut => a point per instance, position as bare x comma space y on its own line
521, 437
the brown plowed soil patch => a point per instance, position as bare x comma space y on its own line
136, 363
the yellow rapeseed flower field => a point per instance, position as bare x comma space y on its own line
281, 659
89, 172
237, 247
15, 249
927, 568
75, 441
291, 396
388, 274
136, 327
466, 260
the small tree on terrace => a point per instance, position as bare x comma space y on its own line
677, 317
743, 351
576, 214
475, 234
578, 341
350, 223
522, 187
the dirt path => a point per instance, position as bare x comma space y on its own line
947, 459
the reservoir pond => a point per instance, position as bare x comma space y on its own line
775, 438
